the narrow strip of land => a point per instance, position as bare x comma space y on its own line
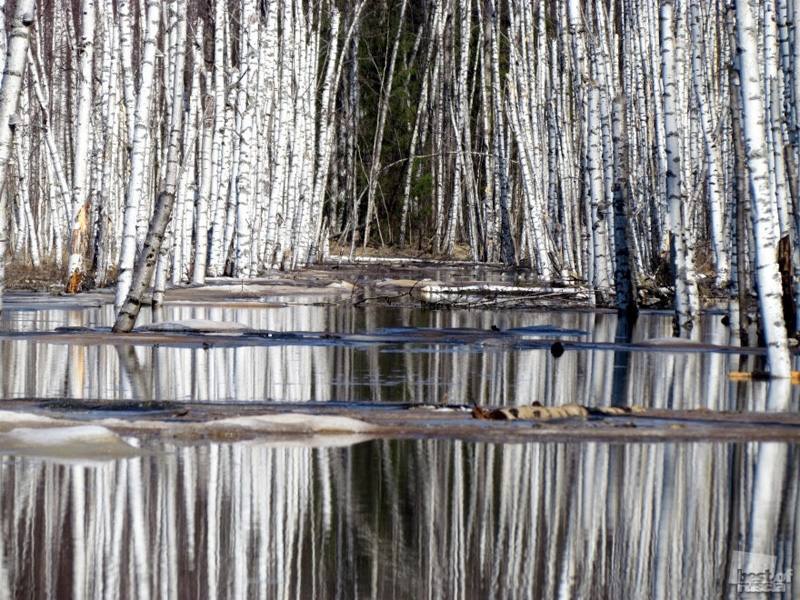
273, 422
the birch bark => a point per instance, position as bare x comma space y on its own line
507, 253
245, 107
139, 146
80, 194
765, 226
16, 59
684, 316
153, 244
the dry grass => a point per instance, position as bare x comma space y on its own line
46, 277
460, 252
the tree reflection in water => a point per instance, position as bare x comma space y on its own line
399, 519
394, 519
486, 372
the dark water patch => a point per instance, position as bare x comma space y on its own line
75, 408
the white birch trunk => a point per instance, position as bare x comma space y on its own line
16, 59
219, 180
154, 247
765, 226
203, 197
684, 315
80, 193
135, 188
245, 103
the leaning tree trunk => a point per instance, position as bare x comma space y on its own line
126, 318
16, 59
765, 225
139, 141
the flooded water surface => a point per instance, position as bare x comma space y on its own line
401, 519
483, 371
354, 517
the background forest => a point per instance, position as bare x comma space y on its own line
613, 142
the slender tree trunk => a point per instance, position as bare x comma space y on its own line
765, 226
141, 137
80, 194
715, 186
203, 197
507, 254
126, 318
383, 109
684, 315
624, 280
16, 59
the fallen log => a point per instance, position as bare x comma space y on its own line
488, 294
537, 411
345, 259
760, 376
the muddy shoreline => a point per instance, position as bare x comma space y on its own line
196, 422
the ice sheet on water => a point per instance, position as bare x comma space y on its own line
547, 330
669, 341
10, 417
196, 326
71, 443
295, 423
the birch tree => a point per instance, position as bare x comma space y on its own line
13, 74
685, 286
139, 142
765, 225
152, 247
80, 198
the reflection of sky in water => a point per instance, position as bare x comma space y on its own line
400, 519
485, 373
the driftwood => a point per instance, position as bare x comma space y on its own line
488, 294
345, 259
536, 411
760, 376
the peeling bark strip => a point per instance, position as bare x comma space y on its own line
15, 61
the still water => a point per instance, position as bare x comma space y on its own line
394, 519
416, 373
401, 519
